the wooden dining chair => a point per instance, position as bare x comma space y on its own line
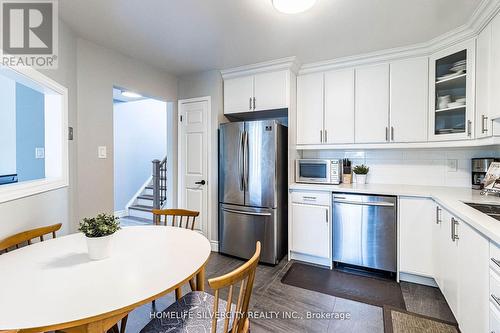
194, 310
25, 237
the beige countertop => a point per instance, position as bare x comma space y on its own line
450, 198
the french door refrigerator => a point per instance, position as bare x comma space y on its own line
253, 189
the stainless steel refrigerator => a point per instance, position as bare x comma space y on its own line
253, 189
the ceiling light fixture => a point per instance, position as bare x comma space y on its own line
131, 94
293, 6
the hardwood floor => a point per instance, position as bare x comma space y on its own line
270, 295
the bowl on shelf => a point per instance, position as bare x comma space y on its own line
455, 104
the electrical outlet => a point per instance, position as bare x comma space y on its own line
39, 153
452, 165
101, 152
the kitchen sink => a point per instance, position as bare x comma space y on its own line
490, 210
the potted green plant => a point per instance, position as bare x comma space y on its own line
361, 171
99, 233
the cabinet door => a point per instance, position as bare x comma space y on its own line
438, 246
271, 90
310, 230
310, 109
372, 104
474, 280
449, 263
495, 72
339, 106
416, 223
238, 94
451, 82
409, 100
483, 75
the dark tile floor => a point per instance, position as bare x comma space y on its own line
271, 295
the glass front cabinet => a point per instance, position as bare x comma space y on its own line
451, 84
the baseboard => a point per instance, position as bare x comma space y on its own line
215, 246
311, 259
121, 213
413, 278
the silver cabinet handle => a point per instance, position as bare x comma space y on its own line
469, 128
392, 133
438, 213
496, 261
454, 224
496, 299
326, 136
254, 103
321, 136
245, 213
309, 198
387, 134
326, 213
484, 124
250, 104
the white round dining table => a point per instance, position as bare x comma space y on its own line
53, 285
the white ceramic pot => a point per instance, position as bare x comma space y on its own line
360, 179
100, 247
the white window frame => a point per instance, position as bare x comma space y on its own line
53, 180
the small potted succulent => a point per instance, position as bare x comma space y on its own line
361, 171
99, 232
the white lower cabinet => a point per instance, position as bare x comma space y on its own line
433, 242
310, 227
415, 235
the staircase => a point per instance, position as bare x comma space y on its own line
152, 196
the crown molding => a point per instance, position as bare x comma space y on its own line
289, 63
483, 14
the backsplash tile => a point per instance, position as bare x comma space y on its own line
412, 166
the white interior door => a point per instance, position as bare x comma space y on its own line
193, 154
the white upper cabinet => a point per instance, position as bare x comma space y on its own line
409, 100
483, 86
372, 104
451, 90
272, 90
495, 68
339, 106
238, 95
310, 108
263, 91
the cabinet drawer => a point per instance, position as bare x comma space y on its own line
495, 258
495, 289
312, 198
494, 319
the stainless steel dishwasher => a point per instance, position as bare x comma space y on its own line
364, 230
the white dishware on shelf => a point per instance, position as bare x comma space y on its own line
455, 104
443, 101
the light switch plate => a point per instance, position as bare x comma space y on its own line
39, 153
102, 152
452, 165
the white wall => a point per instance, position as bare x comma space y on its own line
140, 136
413, 167
54, 206
199, 85
98, 70
7, 126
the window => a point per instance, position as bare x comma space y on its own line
33, 134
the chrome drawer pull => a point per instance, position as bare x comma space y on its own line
496, 299
496, 261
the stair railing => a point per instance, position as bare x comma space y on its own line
159, 183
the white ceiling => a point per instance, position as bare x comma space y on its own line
186, 36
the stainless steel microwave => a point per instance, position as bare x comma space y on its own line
318, 171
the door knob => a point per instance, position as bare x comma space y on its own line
203, 182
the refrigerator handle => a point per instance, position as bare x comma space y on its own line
240, 161
245, 160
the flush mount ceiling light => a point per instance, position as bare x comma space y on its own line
293, 6
131, 94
